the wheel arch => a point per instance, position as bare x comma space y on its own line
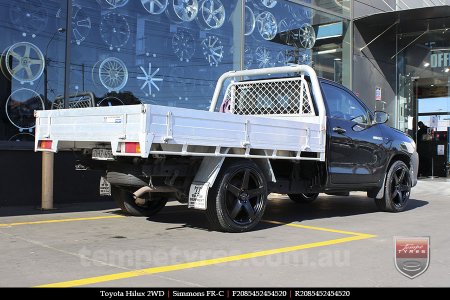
211, 167
399, 156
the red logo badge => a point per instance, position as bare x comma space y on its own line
412, 255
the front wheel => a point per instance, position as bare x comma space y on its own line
397, 189
237, 200
127, 204
303, 198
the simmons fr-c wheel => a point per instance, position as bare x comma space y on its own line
237, 200
397, 189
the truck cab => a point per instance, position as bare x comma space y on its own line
360, 145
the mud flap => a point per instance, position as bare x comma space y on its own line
198, 194
105, 187
204, 179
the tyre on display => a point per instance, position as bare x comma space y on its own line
397, 189
303, 198
237, 200
125, 201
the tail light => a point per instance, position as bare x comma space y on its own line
47, 145
132, 147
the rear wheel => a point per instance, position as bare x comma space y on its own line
303, 198
125, 200
237, 200
397, 189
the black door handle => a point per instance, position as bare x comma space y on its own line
339, 130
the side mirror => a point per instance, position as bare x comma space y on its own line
381, 117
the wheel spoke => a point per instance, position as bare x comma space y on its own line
245, 179
249, 209
394, 193
236, 210
403, 188
29, 72
17, 69
402, 176
36, 62
15, 55
27, 51
396, 178
400, 198
233, 189
255, 192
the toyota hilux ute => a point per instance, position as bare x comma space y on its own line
295, 134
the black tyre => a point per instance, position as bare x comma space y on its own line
303, 198
126, 203
397, 189
237, 200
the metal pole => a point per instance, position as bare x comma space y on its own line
46, 80
413, 41
47, 161
432, 169
48, 158
375, 38
47, 180
67, 53
82, 75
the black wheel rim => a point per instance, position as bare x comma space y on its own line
400, 186
309, 195
244, 196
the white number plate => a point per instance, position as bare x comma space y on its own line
102, 154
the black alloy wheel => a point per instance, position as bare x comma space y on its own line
237, 201
397, 189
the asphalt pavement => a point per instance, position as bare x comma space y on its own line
335, 241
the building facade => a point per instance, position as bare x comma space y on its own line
171, 52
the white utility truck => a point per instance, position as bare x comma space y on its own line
270, 135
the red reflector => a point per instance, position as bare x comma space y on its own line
45, 145
132, 147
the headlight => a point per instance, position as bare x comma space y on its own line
410, 146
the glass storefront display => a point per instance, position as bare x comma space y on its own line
288, 32
167, 52
32, 58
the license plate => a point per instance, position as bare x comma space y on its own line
102, 154
105, 187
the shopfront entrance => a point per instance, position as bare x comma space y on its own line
424, 97
433, 118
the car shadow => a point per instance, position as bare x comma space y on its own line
281, 210
10, 211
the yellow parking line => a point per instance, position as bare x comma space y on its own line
201, 263
60, 221
320, 228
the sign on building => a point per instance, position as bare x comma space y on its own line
377, 94
440, 60
434, 121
